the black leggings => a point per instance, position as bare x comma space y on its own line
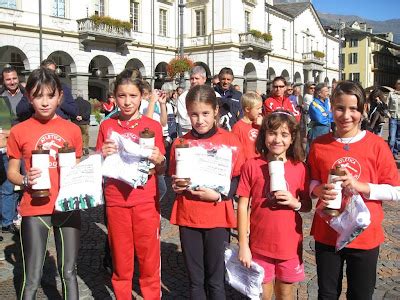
360, 271
203, 251
34, 233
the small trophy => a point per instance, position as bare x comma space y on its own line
183, 164
41, 160
147, 142
333, 208
276, 168
66, 160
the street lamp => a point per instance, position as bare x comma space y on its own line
342, 26
326, 52
181, 6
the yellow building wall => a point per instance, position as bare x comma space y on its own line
364, 63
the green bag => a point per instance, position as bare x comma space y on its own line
6, 116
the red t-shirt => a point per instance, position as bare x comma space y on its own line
275, 230
247, 135
190, 212
27, 136
274, 103
117, 192
368, 160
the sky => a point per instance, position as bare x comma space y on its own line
378, 10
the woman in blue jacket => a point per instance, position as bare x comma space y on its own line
320, 114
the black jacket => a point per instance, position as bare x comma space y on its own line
230, 108
83, 109
67, 109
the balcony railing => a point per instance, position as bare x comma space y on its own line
310, 57
87, 26
258, 44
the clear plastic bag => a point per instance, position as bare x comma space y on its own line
129, 164
247, 281
351, 222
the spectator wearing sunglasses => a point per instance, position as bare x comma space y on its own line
279, 100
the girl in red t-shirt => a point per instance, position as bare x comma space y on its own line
276, 236
44, 129
371, 172
133, 218
204, 216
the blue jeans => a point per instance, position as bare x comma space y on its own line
8, 198
394, 135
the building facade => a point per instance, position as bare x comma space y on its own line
369, 58
90, 49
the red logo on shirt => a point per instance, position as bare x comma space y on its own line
52, 142
131, 136
253, 134
351, 164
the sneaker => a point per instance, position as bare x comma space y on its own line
10, 229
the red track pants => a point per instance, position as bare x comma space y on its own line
135, 231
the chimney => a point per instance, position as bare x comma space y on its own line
369, 29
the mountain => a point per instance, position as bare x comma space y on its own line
392, 25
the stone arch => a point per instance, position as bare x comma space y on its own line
285, 74
11, 55
101, 75
135, 63
250, 78
297, 78
161, 74
65, 65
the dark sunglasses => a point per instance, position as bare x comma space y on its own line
278, 86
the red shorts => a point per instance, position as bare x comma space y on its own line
289, 271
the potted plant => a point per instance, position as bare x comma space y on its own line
318, 54
267, 37
123, 25
179, 65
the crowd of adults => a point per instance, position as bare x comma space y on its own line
311, 110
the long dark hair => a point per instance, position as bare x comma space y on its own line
272, 122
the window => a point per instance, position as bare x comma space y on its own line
99, 8
59, 8
354, 77
353, 58
342, 61
247, 21
343, 76
304, 44
295, 43
283, 38
163, 22
353, 43
134, 15
8, 3
200, 22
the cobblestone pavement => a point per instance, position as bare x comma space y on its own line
94, 281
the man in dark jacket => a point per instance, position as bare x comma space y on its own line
83, 119
230, 109
67, 109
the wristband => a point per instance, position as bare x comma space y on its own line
297, 208
25, 181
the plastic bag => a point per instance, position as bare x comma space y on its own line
351, 222
129, 164
247, 281
81, 186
